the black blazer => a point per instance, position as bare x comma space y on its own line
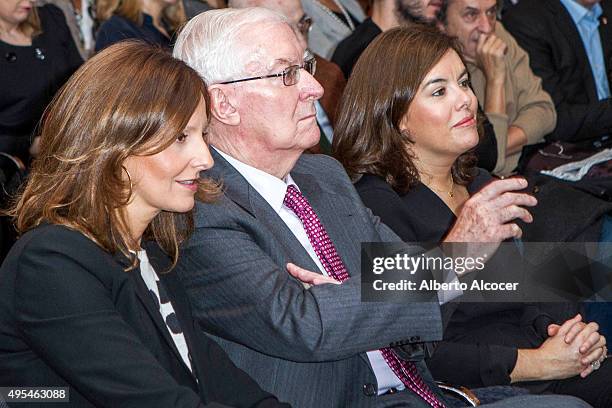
71, 316
545, 29
473, 352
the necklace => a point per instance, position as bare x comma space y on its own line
349, 23
450, 191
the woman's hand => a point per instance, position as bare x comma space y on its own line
487, 218
557, 358
592, 344
306, 276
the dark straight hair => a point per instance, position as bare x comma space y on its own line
367, 137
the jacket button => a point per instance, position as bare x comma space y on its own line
369, 389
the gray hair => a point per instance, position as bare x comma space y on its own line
209, 42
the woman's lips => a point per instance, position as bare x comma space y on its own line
189, 184
466, 122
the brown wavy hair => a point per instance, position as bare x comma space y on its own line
367, 137
131, 99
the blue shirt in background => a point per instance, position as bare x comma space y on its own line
587, 23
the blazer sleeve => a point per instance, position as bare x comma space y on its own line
66, 315
472, 364
575, 122
239, 293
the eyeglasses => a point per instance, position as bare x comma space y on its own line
305, 24
291, 74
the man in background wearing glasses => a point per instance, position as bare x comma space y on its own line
316, 346
327, 73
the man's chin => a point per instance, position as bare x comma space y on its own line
312, 137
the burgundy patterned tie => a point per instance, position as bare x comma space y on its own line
328, 255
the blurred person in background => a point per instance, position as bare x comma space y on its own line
333, 21
37, 55
80, 17
521, 112
152, 21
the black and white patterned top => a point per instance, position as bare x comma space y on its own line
159, 294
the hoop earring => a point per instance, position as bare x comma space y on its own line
130, 180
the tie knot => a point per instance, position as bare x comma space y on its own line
294, 200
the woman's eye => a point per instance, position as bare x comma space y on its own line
439, 92
181, 138
465, 83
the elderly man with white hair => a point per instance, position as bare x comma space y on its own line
327, 73
314, 346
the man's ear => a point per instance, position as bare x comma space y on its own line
222, 107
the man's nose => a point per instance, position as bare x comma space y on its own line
309, 86
485, 25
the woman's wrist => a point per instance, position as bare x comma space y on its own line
529, 366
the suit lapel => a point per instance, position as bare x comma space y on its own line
575, 42
144, 296
237, 189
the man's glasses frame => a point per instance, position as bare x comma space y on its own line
290, 75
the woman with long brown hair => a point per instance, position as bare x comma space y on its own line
407, 127
88, 299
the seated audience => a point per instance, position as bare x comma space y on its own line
510, 94
327, 73
333, 20
386, 14
152, 21
406, 135
568, 42
88, 300
313, 346
38, 56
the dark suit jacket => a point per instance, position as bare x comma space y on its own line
473, 352
545, 29
71, 316
305, 345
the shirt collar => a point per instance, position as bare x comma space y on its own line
270, 187
578, 12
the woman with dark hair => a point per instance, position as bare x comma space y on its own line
407, 127
37, 55
88, 300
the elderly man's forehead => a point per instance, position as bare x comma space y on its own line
270, 45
